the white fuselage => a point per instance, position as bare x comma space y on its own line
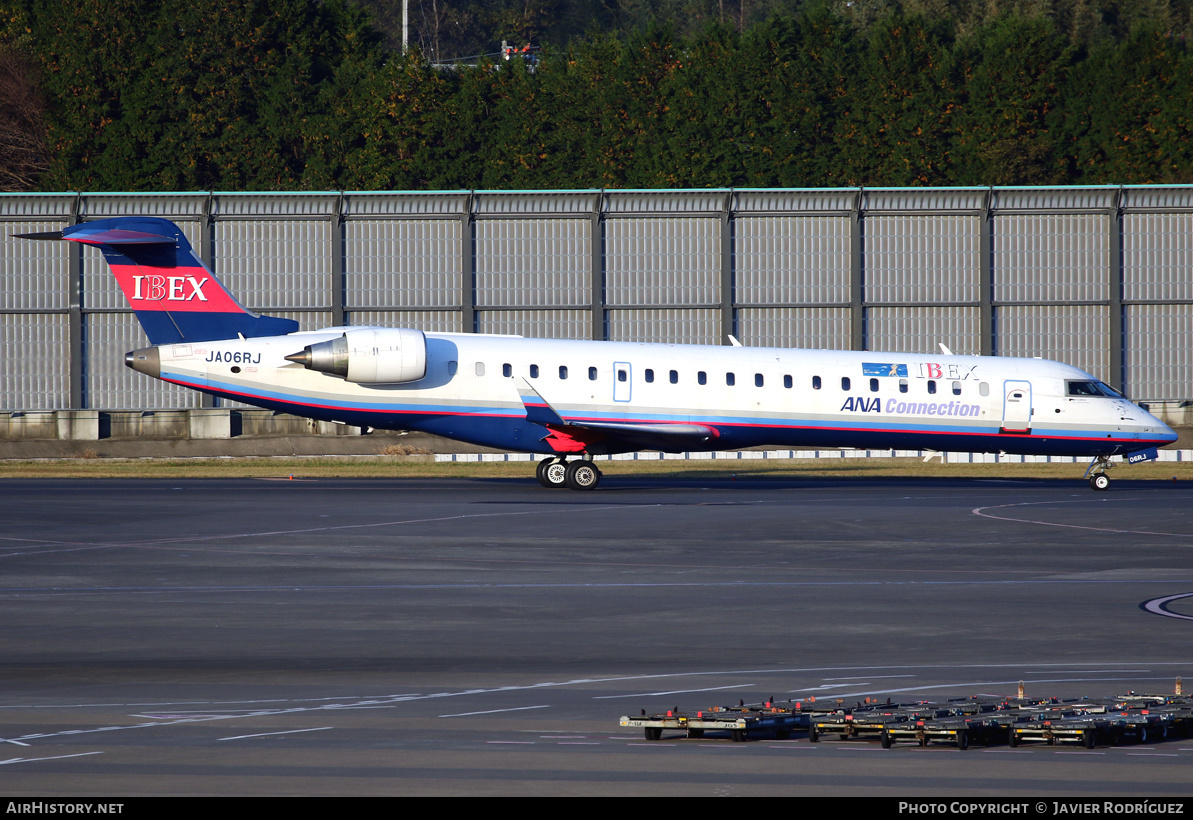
748, 396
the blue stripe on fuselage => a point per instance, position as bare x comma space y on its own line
508, 428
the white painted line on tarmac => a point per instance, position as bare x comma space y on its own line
274, 734
38, 759
496, 711
981, 512
673, 692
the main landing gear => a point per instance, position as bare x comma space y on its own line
1097, 472
555, 471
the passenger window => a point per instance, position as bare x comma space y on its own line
844, 382
983, 389
873, 385
480, 368
787, 382
815, 382
507, 370
452, 367
758, 380
931, 387
902, 385
675, 377
621, 375
649, 375
563, 371
730, 379
534, 371
702, 377
592, 374
956, 388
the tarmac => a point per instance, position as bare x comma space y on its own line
484, 636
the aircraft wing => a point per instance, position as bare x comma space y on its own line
575, 435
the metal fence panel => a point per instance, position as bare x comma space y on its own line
794, 200
1067, 333
168, 206
665, 202
662, 261
923, 329
1158, 256
922, 258
36, 206
924, 199
663, 258
533, 262
696, 326
404, 203
429, 321
539, 324
271, 264
1092, 198
1051, 257
785, 259
402, 263
33, 274
111, 385
1159, 353
533, 204
818, 328
36, 361
275, 205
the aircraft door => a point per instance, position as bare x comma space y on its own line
1016, 407
622, 381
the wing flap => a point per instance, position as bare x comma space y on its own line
570, 435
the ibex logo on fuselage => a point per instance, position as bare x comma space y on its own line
169, 288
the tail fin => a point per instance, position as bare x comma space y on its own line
176, 298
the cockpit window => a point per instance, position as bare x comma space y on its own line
1098, 389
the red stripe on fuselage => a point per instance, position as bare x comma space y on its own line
795, 425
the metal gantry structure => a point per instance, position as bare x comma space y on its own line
1099, 277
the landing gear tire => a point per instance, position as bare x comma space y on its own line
582, 475
1100, 481
552, 472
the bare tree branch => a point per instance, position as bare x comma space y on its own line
23, 132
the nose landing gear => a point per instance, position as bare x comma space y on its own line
1097, 472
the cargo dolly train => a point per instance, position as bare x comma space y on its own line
981, 719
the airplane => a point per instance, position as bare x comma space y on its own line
578, 399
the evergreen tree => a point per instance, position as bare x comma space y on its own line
1130, 116
1012, 71
896, 125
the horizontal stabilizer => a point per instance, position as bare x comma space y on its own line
97, 235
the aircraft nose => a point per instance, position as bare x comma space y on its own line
1162, 431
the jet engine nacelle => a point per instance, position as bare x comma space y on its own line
369, 356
